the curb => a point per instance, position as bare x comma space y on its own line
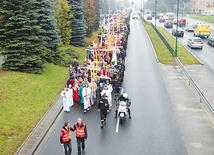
34, 139
151, 43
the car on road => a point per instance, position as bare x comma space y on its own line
195, 42
182, 22
210, 40
168, 24
161, 19
202, 30
190, 27
149, 17
180, 31
135, 16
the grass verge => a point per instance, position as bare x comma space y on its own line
24, 99
164, 55
183, 54
209, 19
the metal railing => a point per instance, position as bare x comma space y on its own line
169, 47
191, 81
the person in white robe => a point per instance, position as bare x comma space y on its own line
70, 99
65, 95
108, 95
110, 89
86, 92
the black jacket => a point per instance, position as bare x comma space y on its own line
103, 105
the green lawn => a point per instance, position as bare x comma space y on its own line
183, 54
89, 40
24, 99
164, 55
209, 19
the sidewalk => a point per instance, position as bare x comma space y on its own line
204, 79
195, 121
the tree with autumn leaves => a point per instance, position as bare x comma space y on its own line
90, 16
63, 19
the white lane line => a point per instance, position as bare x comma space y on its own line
118, 124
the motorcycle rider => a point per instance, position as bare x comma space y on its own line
123, 97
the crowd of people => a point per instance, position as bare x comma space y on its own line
83, 87
94, 81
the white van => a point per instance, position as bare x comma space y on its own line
208, 13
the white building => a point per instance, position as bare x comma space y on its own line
200, 6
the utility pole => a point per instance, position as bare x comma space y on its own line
176, 43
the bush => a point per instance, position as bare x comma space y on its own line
64, 56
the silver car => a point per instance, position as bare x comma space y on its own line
190, 27
195, 42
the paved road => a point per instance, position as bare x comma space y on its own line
153, 129
206, 55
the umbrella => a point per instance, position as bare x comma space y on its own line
75, 75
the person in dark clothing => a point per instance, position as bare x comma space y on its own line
81, 134
75, 64
103, 108
65, 138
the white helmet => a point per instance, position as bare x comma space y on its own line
125, 95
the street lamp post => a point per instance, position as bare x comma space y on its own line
176, 43
155, 11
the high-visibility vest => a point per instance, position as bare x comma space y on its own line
80, 131
66, 136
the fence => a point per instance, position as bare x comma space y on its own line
171, 50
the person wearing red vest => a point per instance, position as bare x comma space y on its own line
65, 138
81, 134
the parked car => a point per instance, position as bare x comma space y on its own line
208, 13
190, 27
180, 32
168, 24
149, 17
161, 19
195, 42
210, 40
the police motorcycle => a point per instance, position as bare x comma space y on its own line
122, 109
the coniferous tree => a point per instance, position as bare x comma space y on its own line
63, 17
90, 16
47, 22
21, 42
78, 24
104, 6
97, 7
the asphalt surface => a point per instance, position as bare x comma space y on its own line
153, 129
206, 55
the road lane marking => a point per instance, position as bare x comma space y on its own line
118, 124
